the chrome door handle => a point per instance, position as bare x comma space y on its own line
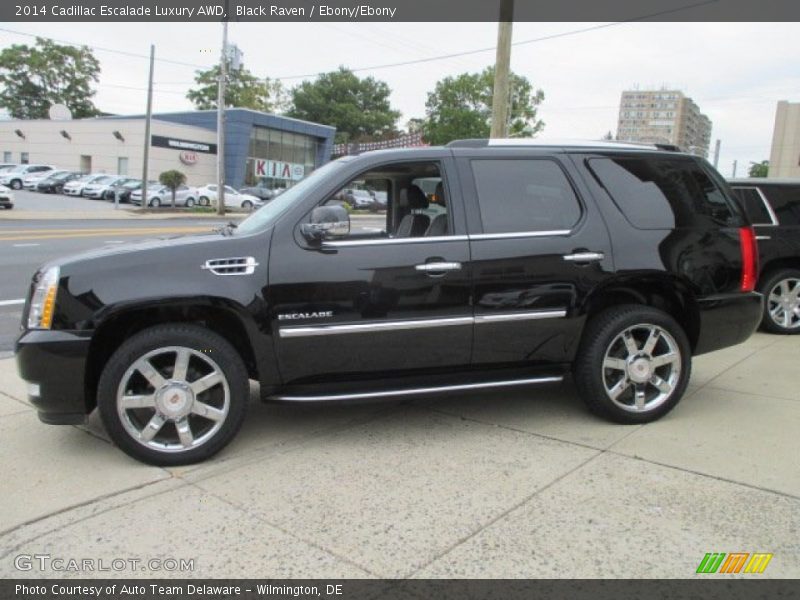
437, 267
580, 257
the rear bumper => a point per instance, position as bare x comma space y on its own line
727, 320
54, 361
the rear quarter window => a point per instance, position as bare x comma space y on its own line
753, 205
664, 193
785, 201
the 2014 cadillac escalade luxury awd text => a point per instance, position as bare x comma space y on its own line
495, 264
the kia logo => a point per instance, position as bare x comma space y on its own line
188, 158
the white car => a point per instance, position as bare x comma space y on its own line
75, 188
15, 176
6, 197
97, 188
207, 195
161, 195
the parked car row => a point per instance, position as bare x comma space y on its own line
102, 186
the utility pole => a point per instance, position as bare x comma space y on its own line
502, 68
716, 153
223, 68
148, 118
734, 170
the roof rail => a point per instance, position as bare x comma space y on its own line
566, 143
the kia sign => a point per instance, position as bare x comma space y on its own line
278, 170
188, 157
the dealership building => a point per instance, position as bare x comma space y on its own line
259, 146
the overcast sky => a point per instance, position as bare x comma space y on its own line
736, 72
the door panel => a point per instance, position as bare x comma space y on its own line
535, 264
360, 311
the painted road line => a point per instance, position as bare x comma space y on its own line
25, 245
12, 302
13, 232
114, 242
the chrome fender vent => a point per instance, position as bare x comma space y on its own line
240, 265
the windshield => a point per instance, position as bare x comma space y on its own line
132, 184
265, 216
104, 180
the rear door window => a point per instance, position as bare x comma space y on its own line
524, 195
663, 193
753, 205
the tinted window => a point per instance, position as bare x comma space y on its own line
785, 201
753, 205
662, 193
524, 195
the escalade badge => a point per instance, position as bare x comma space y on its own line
322, 314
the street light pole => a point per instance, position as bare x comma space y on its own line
148, 118
502, 68
223, 64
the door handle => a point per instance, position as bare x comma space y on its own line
438, 267
584, 257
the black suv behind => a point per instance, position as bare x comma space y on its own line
616, 262
773, 206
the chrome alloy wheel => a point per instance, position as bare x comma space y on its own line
783, 303
173, 399
641, 368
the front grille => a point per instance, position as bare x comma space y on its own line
240, 265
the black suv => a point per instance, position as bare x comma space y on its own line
616, 262
773, 206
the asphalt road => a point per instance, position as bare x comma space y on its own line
27, 244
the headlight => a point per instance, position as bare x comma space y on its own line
43, 300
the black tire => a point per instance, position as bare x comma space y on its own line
155, 202
204, 201
247, 205
16, 184
766, 286
198, 340
189, 203
602, 335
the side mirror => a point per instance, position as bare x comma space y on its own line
327, 222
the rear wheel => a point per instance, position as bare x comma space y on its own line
173, 394
189, 202
155, 202
204, 201
633, 365
782, 302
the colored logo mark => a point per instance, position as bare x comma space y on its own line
734, 562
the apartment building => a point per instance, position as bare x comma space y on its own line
663, 116
784, 159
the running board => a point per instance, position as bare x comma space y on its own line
416, 391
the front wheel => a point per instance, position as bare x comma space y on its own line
173, 394
16, 184
247, 205
782, 302
633, 365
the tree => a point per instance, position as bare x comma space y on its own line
243, 90
33, 78
608, 136
759, 169
461, 107
173, 180
358, 108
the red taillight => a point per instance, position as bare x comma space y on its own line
747, 240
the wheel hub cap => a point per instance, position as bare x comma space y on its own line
174, 400
640, 369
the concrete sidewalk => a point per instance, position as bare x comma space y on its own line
509, 484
